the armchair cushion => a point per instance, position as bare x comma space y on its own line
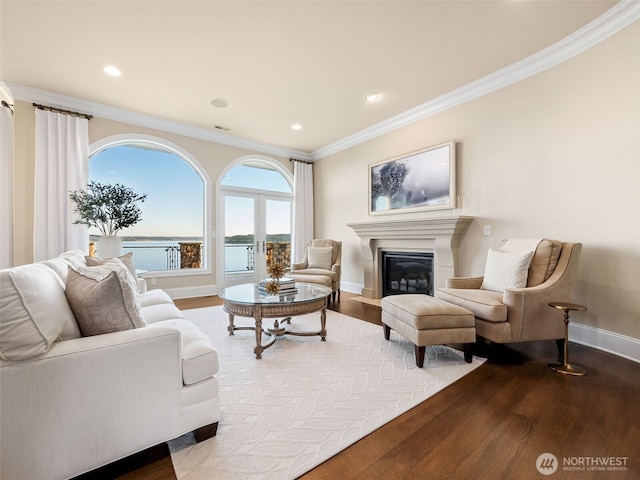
485, 304
104, 298
506, 270
319, 257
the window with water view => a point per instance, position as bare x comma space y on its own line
170, 234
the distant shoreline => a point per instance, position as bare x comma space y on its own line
94, 238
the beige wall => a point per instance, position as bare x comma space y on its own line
556, 155
214, 157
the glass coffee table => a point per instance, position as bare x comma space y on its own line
247, 301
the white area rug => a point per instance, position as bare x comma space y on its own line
306, 400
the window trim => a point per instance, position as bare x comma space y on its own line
166, 145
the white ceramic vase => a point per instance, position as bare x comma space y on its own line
109, 246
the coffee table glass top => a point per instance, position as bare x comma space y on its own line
249, 294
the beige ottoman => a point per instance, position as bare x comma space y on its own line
425, 320
317, 279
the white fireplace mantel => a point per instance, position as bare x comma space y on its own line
440, 236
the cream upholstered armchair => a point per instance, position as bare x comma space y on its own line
505, 314
322, 258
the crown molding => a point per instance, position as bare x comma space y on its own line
612, 21
30, 94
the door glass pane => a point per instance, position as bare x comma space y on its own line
239, 240
278, 231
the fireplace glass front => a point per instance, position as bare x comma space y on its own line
407, 272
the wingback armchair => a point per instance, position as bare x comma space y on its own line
322, 257
522, 314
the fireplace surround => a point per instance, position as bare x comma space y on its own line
440, 236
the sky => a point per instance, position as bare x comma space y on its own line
175, 195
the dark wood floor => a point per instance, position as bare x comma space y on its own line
493, 423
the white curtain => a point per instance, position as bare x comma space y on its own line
6, 187
62, 165
302, 209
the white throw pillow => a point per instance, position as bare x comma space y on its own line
506, 270
127, 259
104, 298
33, 311
319, 257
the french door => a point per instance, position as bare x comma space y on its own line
257, 226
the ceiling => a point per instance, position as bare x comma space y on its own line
276, 63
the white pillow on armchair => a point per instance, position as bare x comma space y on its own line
506, 270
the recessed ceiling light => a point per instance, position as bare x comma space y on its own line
296, 126
219, 103
372, 97
113, 71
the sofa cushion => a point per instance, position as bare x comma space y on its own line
33, 312
506, 270
319, 257
199, 358
160, 312
104, 298
485, 304
127, 259
154, 297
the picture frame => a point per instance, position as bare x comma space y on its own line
418, 181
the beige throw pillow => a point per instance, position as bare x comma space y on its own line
506, 270
319, 257
104, 298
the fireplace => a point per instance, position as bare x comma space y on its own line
407, 272
439, 237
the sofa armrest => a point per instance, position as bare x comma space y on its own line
464, 282
107, 396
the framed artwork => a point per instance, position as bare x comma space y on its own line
422, 180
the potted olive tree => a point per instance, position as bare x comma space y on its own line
109, 208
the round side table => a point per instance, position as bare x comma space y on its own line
565, 367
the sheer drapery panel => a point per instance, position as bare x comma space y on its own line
302, 209
6, 187
62, 153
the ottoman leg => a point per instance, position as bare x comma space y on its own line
420, 356
387, 331
468, 355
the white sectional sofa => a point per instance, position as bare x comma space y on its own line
70, 403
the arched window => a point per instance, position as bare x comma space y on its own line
170, 238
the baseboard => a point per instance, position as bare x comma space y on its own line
610, 342
351, 287
191, 292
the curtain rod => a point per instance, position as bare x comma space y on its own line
8, 105
301, 161
66, 112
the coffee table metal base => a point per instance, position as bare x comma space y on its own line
277, 310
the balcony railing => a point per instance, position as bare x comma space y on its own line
182, 256
241, 258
